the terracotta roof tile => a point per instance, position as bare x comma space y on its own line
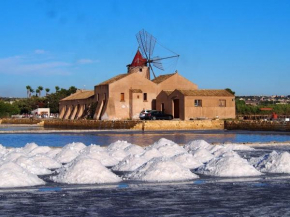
205, 93
112, 80
161, 78
83, 94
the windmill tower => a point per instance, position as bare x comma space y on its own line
143, 61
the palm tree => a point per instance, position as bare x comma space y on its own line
28, 90
37, 92
47, 90
40, 88
56, 88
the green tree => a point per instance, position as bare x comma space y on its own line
31, 91
37, 92
47, 91
40, 88
230, 90
7, 109
56, 88
28, 88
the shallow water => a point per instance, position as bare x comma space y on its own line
140, 138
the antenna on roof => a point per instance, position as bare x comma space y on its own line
147, 43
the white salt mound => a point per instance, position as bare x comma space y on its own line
96, 152
130, 163
13, 175
202, 155
134, 149
161, 170
274, 163
170, 150
162, 142
45, 161
53, 152
187, 160
197, 144
40, 150
118, 145
3, 150
151, 152
118, 154
12, 156
69, 152
29, 147
85, 170
30, 165
228, 165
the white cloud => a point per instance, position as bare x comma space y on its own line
32, 65
39, 51
87, 61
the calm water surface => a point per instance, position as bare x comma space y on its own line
139, 137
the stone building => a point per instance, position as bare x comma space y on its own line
126, 95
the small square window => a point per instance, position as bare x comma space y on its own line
137, 96
198, 103
222, 103
122, 97
144, 96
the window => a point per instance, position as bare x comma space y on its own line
144, 96
137, 96
140, 69
122, 97
198, 103
98, 96
222, 103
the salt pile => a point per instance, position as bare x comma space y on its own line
45, 161
116, 149
187, 161
274, 163
150, 153
40, 150
130, 163
69, 152
53, 152
12, 175
162, 142
161, 170
228, 165
197, 144
29, 164
29, 147
99, 153
202, 155
84, 170
134, 149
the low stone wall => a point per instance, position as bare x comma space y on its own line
257, 125
90, 124
181, 125
20, 121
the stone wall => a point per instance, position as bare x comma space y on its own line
90, 124
20, 121
181, 125
257, 125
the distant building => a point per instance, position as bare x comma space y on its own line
126, 95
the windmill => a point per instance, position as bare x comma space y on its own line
147, 44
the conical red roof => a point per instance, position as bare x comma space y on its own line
138, 60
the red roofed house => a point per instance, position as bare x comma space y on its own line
125, 95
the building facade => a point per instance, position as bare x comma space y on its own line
126, 95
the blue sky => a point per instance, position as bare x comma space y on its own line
243, 45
